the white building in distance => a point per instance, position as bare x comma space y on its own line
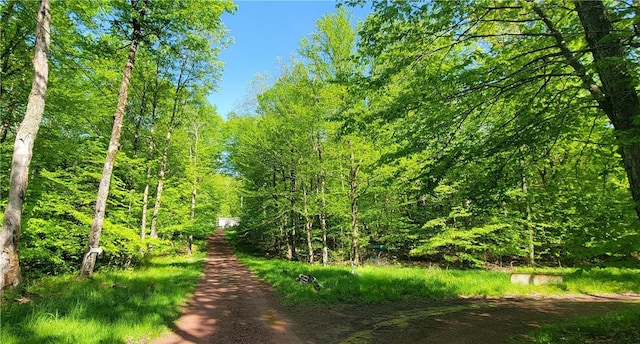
226, 222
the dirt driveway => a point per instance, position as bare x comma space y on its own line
231, 305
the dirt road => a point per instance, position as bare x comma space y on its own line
459, 321
231, 305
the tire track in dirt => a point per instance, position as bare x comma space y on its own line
230, 305
457, 321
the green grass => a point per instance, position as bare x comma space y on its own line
134, 306
129, 306
380, 284
622, 327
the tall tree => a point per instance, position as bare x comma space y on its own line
542, 65
172, 29
23, 151
354, 196
178, 103
138, 7
150, 150
328, 53
614, 65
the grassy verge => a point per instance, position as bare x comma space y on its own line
620, 328
113, 307
379, 284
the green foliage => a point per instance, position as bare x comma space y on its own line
50, 249
464, 148
495, 115
468, 243
123, 306
85, 70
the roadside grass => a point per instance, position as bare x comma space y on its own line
621, 327
130, 306
372, 284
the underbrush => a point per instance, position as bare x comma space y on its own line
129, 306
379, 284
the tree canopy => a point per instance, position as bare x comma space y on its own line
461, 133
466, 133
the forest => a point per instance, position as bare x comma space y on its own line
461, 134
163, 190
466, 134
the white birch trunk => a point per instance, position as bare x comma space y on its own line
22, 153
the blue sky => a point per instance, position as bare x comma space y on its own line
266, 34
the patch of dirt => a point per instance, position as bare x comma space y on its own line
230, 305
453, 322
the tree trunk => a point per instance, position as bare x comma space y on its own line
151, 147
156, 208
323, 223
285, 232
22, 153
323, 203
165, 152
143, 110
527, 208
308, 225
292, 233
93, 250
194, 153
353, 197
277, 223
145, 202
619, 99
194, 187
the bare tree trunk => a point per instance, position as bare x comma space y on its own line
165, 152
93, 250
22, 153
